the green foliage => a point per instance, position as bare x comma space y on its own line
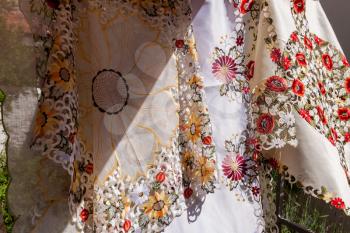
298, 209
4, 183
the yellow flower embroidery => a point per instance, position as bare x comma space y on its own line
45, 120
188, 158
62, 73
205, 170
195, 80
194, 127
157, 205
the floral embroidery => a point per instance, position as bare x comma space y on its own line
265, 124
239, 167
327, 61
276, 55
127, 225
347, 84
153, 200
276, 84
298, 87
157, 205
314, 85
188, 193
299, 6
344, 114
193, 127
244, 6
234, 167
225, 68
301, 59
338, 203
140, 194
308, 43
306, 115
84, 215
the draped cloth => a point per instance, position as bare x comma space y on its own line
156, 108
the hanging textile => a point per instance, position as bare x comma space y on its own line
164, 109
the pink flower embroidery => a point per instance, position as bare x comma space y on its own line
224, 68
234, 168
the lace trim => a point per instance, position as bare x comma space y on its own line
56, 134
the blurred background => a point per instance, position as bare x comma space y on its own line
338, 12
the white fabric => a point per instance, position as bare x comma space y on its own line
224, 211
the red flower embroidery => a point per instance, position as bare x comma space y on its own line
298, 87
286, 62
188, 193
318, 40
160, 177
207, 140
294, 37
234, 168
250, 70
276, 83
322, 88
320, 113
245, 90
347, 137
240, 40
84, 215
327, 61
345, 62
347, 84
255, 190
308, 43
299, 6
265, 124
333, 137
224, 68
338, 203
344, 114
179, 44
89, 168
305, 114
127, 225
246, 5
275, 55
301, 59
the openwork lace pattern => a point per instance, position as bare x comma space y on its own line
150, 202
